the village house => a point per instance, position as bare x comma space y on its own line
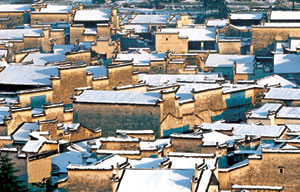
186, 40
233, 67
46, 14
12, 15
143, 60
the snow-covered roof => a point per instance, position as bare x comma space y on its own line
92, 15
27, 75
62, 49
217, 23
4, 111
244, 62
235, 166
185, 90
289, 112
104, 164
214, 138
153, 145
33, 146
194, 34
22, 134
175, 180
118, 139
141, 57
163, 79
146, 163
18, 34
283, 94
124, 131
286, 63
246, 16
246, 129
285, 15
229, 88
205, 181
42, 58
189, 162
275, 80
153, 19
257, 187
98, 71
56, 9
14, 7
143, 28
62, 160
293, 127
68, 126
281, 24
118, 97
264, 110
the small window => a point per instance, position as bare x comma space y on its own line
167, 39
281, 170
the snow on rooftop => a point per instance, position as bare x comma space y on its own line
150, 19
289, 112
264, 110
98, 71
4, 111
22, 133
257, 187
18, 34
285, 15
118, 97
62, 160
27, 75
124, 131
140, 57
154, 145
69, 126
214, 138
275, 80
244, 62
235, 166
41, 59
286, 63
92, 15
189, 162
143, 28
161, 79
107, 163
14, 7
194, 34
283, 94
146, 163
244, 68
246, 16
175, 180
62, 49
3, 53
293, 127
118, 139
246, 129
56, 9
281, 24
205, 180
217, 23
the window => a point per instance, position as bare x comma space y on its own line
281, 170
209, 45
167, 39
